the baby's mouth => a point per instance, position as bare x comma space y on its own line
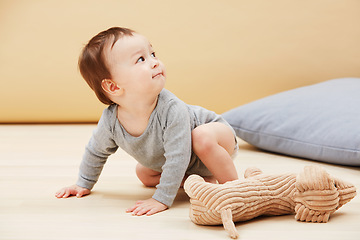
157, 75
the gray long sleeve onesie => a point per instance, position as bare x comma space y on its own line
165, 145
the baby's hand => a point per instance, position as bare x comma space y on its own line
73, 190
148, 207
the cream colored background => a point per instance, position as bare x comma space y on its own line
219, 54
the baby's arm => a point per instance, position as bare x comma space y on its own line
176, 137
100, 146
73, 190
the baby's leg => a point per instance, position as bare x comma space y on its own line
214, 143
151, 178
147, 176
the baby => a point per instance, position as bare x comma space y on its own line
169, 139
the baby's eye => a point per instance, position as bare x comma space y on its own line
153, 54
141, 59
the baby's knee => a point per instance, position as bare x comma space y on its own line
148, 177
208, 136
202, 139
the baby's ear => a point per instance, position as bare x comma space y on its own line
111, 87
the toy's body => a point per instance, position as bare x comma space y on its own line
312, 195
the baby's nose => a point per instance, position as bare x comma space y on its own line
155, 63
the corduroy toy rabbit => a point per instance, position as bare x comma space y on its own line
312, 196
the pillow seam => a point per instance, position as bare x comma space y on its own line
295, 140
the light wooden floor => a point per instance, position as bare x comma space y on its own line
37, 160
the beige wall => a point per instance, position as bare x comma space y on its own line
218, 54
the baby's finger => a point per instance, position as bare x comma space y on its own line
59, 194
152, 211
140, 211
131, 209
67, 193
81, 193
137, 204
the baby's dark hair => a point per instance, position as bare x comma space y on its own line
92, 63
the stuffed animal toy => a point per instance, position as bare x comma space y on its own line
312, 196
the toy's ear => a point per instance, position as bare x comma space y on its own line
111, 87
190, 182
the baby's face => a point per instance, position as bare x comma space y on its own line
134, 66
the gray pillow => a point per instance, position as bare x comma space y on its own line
319, 122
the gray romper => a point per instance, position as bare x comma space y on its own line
165, 145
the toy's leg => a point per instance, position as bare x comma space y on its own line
316, 197
347, 191
226, 217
